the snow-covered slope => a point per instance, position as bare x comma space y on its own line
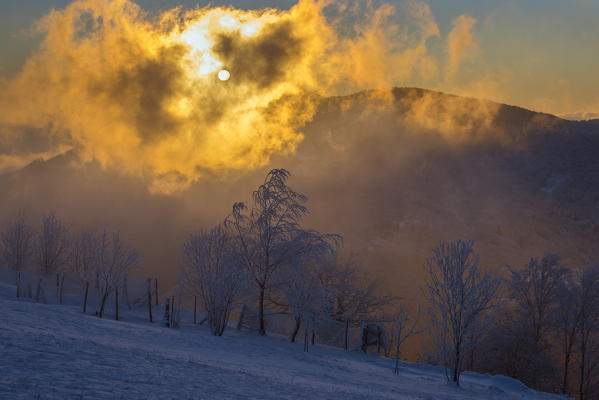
51, 351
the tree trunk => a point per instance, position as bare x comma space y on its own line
396, 370
456, 367
313, 336
582, 366
116, 303
195, 306
150, 299
262, 329
85, 297
565, 380
57, 283
298, 322
102, 304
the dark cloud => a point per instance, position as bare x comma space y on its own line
262, 60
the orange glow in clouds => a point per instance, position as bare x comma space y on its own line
146, 95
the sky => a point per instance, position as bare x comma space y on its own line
538, 54
136, 87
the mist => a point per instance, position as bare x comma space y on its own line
394, 172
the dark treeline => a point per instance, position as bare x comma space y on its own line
538, 322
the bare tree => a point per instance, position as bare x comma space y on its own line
459, 292
17, 244
212, 270
354, 297
534, 289
52, 245
81, 258
566, 322
301, 293
269, 234
588, 342
112, 259
404, 327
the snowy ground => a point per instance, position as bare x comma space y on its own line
49, 351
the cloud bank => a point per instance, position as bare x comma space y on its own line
140, 93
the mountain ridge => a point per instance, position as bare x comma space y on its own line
395, 172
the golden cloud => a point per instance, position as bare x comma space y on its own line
141, 94
460, 41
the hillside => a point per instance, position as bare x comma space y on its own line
395, 172
54, 351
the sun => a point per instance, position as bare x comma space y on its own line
224, 75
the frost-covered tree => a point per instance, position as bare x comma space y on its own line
51, 248
534, 289
81, 258
403, 327
213, 271
566, 315
353, 295
301, 292
588, 333
459, 292
112, 259
16, 244
269, 233
535, 326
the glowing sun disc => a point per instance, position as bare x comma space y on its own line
224, 75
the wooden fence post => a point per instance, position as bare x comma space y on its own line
116, 303
18, 283
172, 311
37, 291
167, 317
178, 315
150, 298
195, 302
61, 288
364, 337
156, 289
85, 296
306, 335
346, 345
43, 294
